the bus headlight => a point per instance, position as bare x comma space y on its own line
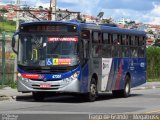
71, 78
75, 75
20, 77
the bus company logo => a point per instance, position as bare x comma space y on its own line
56, 76
41, 77
142, 64
105, 65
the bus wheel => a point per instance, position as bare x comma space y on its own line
91, 96
127, 88
38, 96
124, 92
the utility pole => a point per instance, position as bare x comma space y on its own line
17, 26
17, 20
52, 12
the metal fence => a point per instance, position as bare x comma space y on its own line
6, 61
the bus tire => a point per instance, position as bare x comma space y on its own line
91, 96
127, 88
124, 92
38, 96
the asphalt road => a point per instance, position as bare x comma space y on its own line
71, 108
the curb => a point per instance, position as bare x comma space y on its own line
146, 87
4, 97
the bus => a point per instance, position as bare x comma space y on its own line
78, 58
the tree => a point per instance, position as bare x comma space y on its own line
40, 7
3, 11
107, 20
150, 32
157, 42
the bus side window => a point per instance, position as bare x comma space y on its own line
127, 40
119, 42
141, 41
97, 44
136, 40
106, 38
97, 38
123, 40
115, 39
141, 51
144, 40
132, 40
106, 51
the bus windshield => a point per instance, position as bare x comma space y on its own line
36, 50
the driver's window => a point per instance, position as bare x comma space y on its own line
85, 35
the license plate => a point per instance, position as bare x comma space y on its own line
45, 86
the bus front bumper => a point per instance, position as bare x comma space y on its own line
65, 85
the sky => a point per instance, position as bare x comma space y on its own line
146, 11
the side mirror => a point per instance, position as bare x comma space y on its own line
14, 42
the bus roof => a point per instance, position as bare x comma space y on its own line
93, 26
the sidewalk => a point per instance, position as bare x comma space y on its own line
148, 85
9, 93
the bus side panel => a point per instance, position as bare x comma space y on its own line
139, 74
116, 73
84, 78
120, 67
106, 64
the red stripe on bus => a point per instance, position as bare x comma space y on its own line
119, 77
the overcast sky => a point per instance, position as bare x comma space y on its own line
146, 11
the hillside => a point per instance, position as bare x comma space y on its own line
7, 26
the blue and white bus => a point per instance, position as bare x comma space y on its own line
73, 57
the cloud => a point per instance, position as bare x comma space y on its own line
83, 6
138, 5
148, 13
67, 3
153, 17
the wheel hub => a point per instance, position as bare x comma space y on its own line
93, 89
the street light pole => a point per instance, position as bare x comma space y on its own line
17, 26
